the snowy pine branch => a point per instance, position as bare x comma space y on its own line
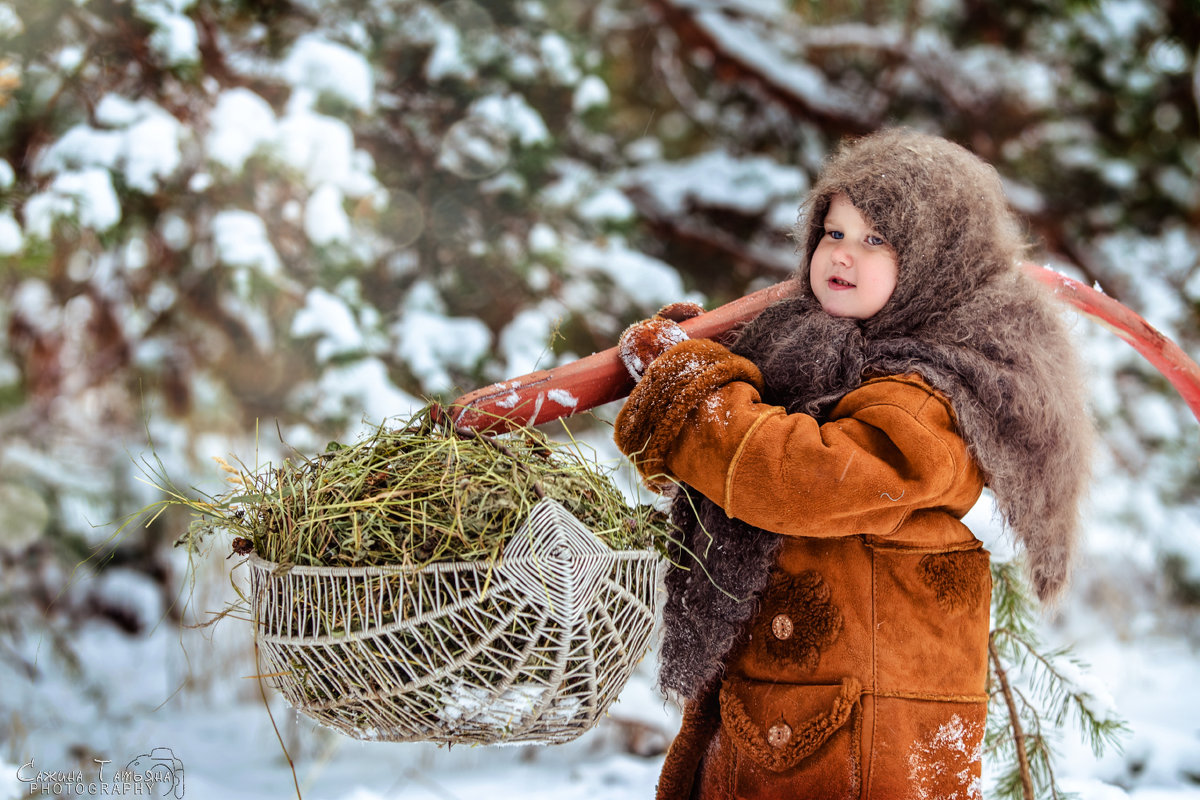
1039, 687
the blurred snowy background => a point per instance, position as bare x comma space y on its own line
220, 219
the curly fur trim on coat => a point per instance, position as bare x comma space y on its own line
957, 579
965, 318
806, 735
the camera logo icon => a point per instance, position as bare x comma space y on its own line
160, 771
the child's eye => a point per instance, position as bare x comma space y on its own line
876, 240
837, 235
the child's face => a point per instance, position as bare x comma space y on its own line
853, 270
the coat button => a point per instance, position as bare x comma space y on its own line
779, 734
781, 626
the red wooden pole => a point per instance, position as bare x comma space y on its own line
600, 378
1166, 356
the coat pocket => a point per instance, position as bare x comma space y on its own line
793, 738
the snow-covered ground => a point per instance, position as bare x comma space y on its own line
193, 697
191, 693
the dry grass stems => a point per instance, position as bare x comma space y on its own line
415, 495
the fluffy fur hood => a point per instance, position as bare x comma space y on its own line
965, 318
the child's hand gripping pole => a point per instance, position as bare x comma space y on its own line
600, 378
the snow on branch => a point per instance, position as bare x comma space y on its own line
788, 61
743, 48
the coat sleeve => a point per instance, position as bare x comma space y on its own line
890, 448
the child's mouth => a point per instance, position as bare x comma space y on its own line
839, 283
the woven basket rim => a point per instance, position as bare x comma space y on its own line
258, 562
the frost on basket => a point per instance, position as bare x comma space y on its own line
533, 648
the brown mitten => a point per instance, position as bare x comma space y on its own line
654, 414
678, 312
645, 341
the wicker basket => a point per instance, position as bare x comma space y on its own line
531, 649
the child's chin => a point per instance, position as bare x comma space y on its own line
836, 310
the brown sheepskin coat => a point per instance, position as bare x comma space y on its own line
827, 611
864, 672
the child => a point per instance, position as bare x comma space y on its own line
827, 620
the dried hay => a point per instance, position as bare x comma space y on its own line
418, 494
424, 584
